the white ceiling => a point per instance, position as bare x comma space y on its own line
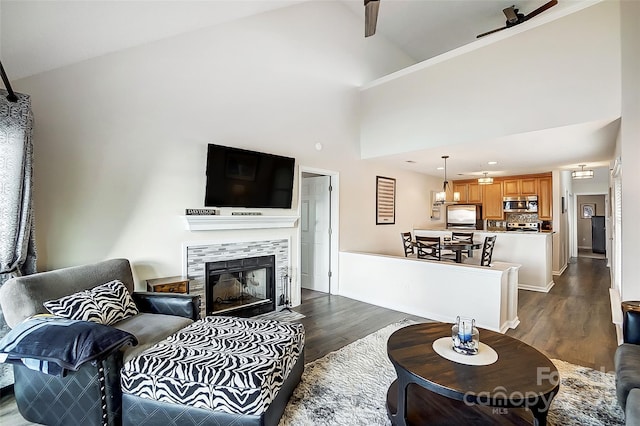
38, 36
427, 28
563, 148
41, 35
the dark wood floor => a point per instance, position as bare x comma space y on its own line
572, 322
332, 322
582, 252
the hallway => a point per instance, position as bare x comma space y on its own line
573, 321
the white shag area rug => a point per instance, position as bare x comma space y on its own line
349, 387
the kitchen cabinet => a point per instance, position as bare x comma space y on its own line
474, 193
492, 201
529, 186
520, 187
545, 198
490, 196
511, 187
470, 192
463, 189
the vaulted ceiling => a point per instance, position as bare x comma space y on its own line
41, 35
38, 36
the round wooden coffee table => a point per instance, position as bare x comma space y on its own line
516, 389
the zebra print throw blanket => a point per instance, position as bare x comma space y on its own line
227, 364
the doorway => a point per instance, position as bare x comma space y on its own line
318, 223
590, 227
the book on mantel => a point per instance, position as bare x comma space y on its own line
201, 212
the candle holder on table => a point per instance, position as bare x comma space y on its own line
465, 336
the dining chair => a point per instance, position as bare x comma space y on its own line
407, 242
445, 253
428, 248
466, 237
487, 250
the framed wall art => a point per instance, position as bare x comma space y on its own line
588, 210
385, 201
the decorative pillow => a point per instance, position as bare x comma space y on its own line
54, 345
105, 304
76, 306
114, 301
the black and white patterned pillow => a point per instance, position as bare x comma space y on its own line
105, 304
114, 301
77, 306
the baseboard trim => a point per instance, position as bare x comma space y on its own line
538, 289
513, 324
561, 271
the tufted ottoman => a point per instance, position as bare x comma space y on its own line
218, 370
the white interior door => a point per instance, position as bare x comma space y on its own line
315, 235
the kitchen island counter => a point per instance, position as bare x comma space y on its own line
532, 250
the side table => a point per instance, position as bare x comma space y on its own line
176, 284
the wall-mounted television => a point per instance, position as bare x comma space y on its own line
241, 178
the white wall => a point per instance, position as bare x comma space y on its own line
492, 91
561, 184
120, 141
432, 289
357, 221
629, 147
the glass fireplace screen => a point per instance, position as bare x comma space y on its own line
241, 284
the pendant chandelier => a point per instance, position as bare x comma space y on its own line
485, 180
441, 197
582, 173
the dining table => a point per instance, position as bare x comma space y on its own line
458, 247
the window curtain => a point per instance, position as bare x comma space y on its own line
17, 243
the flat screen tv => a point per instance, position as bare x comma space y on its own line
241, 178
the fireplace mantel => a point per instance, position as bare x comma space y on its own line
218, 223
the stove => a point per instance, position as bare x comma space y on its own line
529, 227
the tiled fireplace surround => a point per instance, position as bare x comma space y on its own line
196, 255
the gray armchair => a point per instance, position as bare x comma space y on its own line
91, 395
627, 364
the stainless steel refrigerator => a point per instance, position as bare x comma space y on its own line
598, 235
464, 216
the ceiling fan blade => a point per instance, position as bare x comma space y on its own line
370, 16
491, 32
541, 9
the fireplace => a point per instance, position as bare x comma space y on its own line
240, 287
197, 255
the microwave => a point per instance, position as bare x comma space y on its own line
520, 204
